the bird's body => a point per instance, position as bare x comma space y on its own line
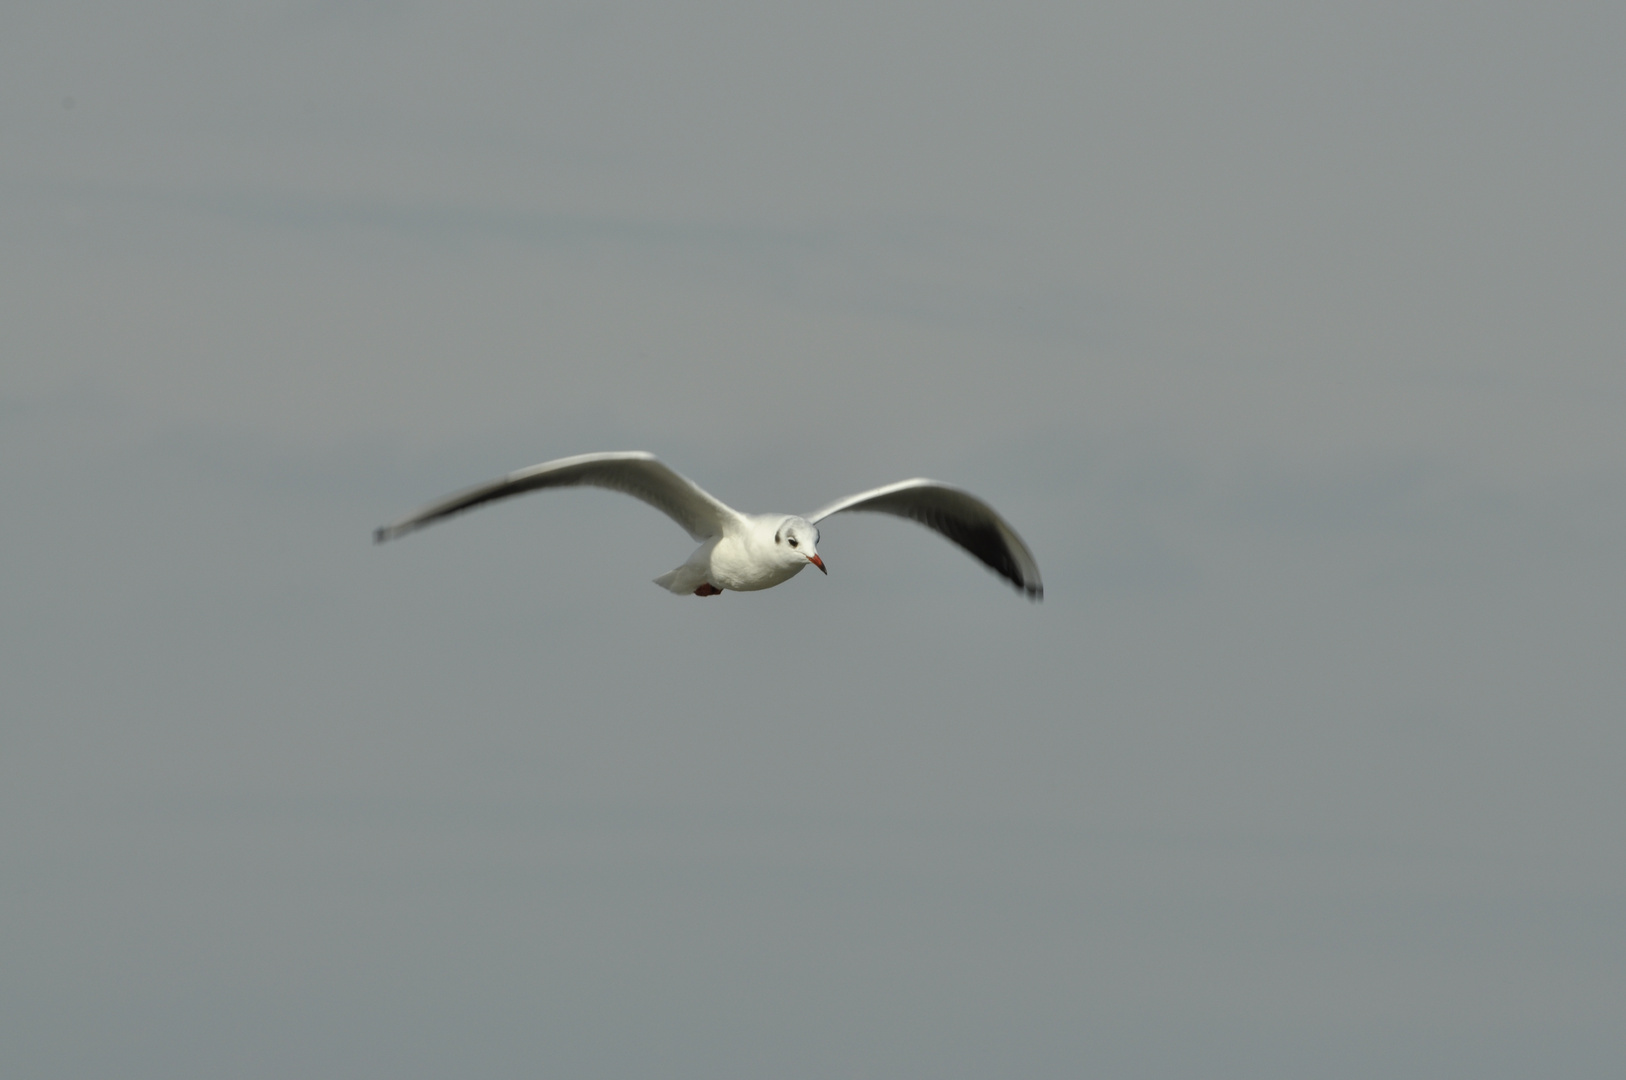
744, 559
746, 552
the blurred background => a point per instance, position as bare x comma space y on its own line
1290, 338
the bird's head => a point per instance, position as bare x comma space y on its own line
797, 539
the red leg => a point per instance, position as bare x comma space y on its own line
708, 589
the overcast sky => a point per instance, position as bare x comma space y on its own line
1290, 336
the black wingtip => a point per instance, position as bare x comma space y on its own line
381, 534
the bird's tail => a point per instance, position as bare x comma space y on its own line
682, 581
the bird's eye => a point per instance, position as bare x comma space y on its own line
791, 541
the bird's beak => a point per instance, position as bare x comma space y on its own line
818, 562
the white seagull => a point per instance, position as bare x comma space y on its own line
745, 552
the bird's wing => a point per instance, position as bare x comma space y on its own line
633, 472
958, 515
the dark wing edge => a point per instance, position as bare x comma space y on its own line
632, 472
959, 516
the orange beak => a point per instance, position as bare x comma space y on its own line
818, 562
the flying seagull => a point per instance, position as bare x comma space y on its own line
745, 552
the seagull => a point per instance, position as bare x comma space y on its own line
747, 552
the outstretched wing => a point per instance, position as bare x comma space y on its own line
958, 515
633, 472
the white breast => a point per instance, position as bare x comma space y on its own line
747, 561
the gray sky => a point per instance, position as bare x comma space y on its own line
1290, 336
